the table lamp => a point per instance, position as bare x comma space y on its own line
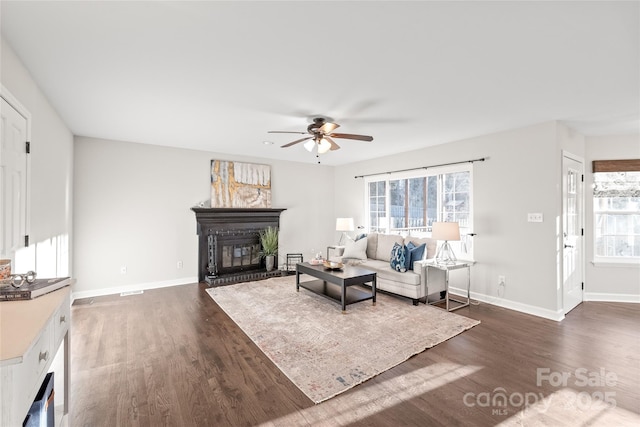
344, 225
447, 231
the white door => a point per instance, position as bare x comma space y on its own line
573, 232
13, 180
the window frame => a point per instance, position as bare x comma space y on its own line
610, 167
439, 172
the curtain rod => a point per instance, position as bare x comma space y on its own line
423, 167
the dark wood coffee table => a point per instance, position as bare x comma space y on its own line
337, 284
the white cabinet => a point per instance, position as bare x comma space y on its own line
30, 335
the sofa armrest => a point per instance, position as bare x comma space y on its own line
420, 267
433, 279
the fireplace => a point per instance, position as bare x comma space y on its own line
229, 243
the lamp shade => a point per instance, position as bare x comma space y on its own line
344, 224
323, 146
309, 145
445, 231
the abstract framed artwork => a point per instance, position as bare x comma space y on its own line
240, 185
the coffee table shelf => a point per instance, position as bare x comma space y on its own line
334, 292
337, 285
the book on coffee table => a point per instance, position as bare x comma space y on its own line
33, 290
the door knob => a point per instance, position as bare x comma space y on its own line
567, 246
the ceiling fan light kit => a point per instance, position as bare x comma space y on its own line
323, 145
321, 132
310, 145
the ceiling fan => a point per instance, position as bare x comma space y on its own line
321, 131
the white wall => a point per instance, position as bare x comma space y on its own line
132, 207
608, 282
51, 175
521, 175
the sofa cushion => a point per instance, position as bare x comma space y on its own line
355, 249
431, 245
385, 245
398, 258
372, 245
384, 272
414, 253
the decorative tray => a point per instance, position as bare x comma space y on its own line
332, 265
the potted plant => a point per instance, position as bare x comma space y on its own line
269, 242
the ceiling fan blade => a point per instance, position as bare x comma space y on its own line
351, 136
328, 127
295, 142
285, 131
334, 146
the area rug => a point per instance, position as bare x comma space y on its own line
324, 352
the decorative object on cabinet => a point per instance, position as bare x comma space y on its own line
5, 268
17, 280
33, 289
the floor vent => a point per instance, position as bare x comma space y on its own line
126, 294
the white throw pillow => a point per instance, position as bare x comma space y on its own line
355, 250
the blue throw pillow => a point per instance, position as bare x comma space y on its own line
408, 263
414, 253
398, 258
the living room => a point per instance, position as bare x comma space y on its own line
115, 214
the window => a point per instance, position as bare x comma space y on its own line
616, 211
410, 202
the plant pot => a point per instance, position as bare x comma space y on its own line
269, 261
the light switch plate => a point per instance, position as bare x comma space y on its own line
534, 217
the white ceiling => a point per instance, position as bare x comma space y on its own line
216, 76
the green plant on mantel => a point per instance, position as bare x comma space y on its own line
269, 241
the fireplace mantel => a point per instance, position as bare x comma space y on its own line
244, 215
225, 222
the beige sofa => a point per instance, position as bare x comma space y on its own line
413, 284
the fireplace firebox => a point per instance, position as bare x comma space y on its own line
229, 243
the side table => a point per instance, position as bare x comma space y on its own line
447, 268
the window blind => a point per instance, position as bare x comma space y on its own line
629, 165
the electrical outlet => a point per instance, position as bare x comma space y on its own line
535, 217
502, 281
180, 265
123, 269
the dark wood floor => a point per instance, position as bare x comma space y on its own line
172, 357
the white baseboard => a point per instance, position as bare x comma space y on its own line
512, 305
604, 297
132, 288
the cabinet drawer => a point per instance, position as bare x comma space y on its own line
40, 355
61, 322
